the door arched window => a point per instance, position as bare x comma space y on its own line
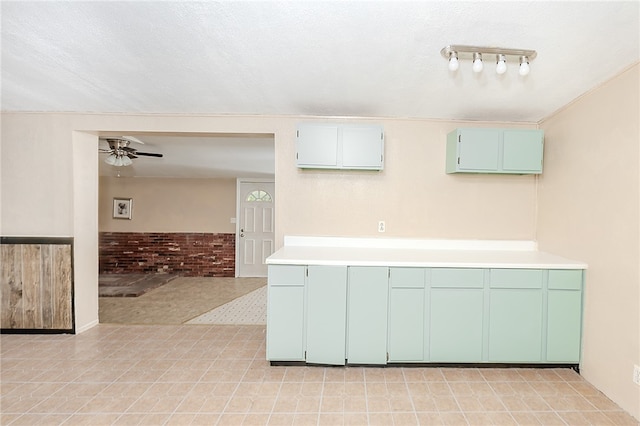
259, 195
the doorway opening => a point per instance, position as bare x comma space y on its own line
182, 226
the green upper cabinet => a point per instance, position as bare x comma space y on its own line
340, 146
515, 151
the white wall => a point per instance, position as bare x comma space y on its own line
169, 205
589, 209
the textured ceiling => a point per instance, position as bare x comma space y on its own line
327, 58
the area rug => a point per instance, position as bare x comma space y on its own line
248, 309
131, 285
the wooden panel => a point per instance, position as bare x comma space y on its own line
11, 286
31, 286
62, 318
47, 294
36, 284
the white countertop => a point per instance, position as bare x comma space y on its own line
417, 253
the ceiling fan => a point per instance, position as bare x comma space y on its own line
120, 153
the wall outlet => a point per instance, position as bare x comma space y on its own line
636, 374
381, 226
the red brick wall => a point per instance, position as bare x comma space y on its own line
187, 254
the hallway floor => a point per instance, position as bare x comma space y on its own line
176, 302
218, 375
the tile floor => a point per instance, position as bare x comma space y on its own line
217, 375
248, 309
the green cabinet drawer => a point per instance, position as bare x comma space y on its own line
516, 278
565, 279
407, 277
286, 275
457, 278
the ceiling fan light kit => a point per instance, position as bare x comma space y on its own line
120, 154
455, 53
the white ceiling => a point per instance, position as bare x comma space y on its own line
324, 58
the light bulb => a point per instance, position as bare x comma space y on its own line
524, 66
118, 161
453, 61
111, 159
477, 62
501, 67
126, 161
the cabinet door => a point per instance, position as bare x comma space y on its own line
285, 313
326, 314
362, 147
478, 149
564, 316
367, 315
522, 151
457, 309
515, 315
317, 145
406, 314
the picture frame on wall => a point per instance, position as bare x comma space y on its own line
122, 208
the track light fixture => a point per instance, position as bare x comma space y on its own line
501, 64
454, 53
477, 62
453, 61
524, 65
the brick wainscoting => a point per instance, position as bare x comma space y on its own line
187, 254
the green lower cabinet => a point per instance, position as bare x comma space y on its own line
457, 309
406, 314
564, 316
285, 313
515, 325
367, 296
326, 314
456, 325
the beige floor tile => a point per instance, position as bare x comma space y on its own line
380, 419
305, 419
355, 419
621, 418
526, 418
230, 419
188, 374
281, 419
255, 419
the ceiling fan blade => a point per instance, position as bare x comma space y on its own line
131, 155
104, 150
149, 154
126, 148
